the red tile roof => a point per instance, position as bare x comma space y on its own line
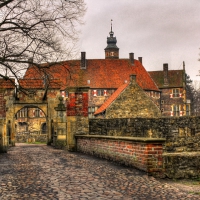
99, 73
175, 78
107, 103
7, 84
38, 84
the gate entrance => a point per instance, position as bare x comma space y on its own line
30, 125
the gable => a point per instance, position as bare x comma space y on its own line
129, 101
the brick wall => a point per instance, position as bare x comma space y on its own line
167, 102
142, 153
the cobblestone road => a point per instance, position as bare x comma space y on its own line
41, 172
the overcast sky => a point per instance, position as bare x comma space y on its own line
160, 31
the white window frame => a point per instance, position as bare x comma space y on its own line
176, 92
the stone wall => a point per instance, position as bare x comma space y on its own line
181, 157
182, 134
75, 125
182, 165
31, 138
142, 153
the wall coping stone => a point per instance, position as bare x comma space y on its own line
184, 154
134, 139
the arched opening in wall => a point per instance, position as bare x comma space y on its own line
31, 125
44, 128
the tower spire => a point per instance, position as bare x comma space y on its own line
111, 51
111, 32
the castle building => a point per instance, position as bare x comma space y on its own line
91, 88
101, 76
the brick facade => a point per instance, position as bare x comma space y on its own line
173, 104
174, 100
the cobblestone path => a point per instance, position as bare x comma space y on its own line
41, 172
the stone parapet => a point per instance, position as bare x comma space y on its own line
142, 153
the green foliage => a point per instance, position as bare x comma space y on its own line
188, 79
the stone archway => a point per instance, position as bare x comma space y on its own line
32, 123
44, 128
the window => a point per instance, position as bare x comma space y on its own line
91, 111
100, 93
175, 110
162, 101
37, 112
187, 110
175, 92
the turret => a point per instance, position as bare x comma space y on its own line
111, 51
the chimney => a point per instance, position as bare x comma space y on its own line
133, 78
131, 58
30, 61
165, 70
140, 59
83, 60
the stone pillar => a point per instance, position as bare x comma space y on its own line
60, 125
10, 121
3, 138
77, 115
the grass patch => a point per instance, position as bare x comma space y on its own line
196, 193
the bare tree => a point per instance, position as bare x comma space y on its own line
43, 30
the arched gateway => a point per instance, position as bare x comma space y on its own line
27, 122
31, 124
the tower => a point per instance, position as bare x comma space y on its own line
111, 51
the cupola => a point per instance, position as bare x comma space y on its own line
111, 51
